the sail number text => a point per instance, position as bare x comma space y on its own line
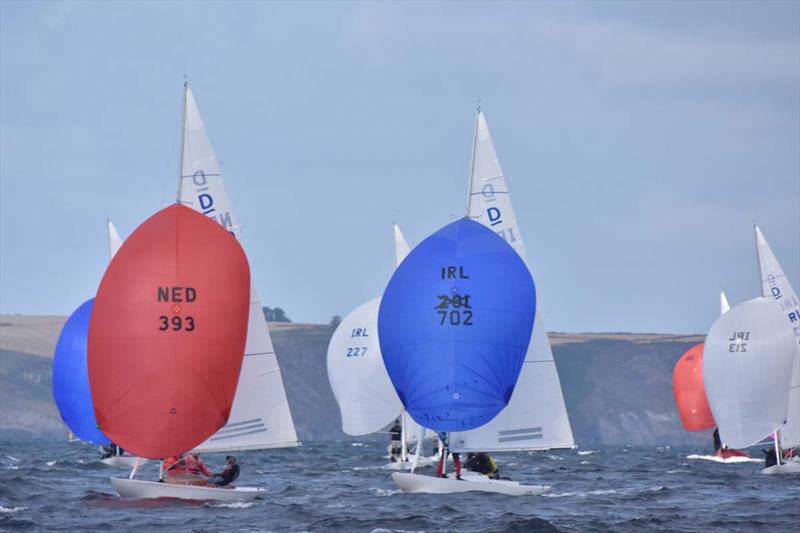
177, 296
738, 341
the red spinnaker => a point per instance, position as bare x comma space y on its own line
167, 334
690, 392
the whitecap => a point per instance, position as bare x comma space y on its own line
356, 444
12, 458
729, 460
555, 457
585, 463
386, 492
586, 452
5, 510
232, 505
51, 463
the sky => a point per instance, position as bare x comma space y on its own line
640, 141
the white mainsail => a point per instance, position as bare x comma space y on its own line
775, 285
260, 417
724, 306
536, 416
114, 240
747, 360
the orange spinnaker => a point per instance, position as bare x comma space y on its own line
167, 334
690, 392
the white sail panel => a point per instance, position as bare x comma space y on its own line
114, 240
260, 416
747, 360
775, 285
401, 247
358, 377
724, 306
536, 416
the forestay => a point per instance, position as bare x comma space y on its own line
747, 361
775, 285
536, 417
260, 417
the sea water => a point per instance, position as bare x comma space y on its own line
50, 485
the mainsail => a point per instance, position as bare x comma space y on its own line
747, 361
775, 285
260, 417
536, 417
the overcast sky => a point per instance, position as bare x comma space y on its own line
640, 142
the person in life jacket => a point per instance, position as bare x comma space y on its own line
482, 463
189, 469
396, 445
227, 476
443, 458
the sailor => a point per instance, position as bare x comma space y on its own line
443, 459
717, 441
227, 476
396, 446
188, 469
482, 463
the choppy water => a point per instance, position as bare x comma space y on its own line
48, 485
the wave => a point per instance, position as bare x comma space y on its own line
7, 510
586, 452
729, 460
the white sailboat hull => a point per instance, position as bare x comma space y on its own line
470, 482
135, 488
789, 467
122, 461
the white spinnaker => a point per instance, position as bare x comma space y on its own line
724, 306
775, 285
747, 360
535, 417
260, 417
114, 240
358, 377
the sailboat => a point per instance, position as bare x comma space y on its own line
454, 325
260, 417
775, 285
747, 364
367, 401
690, 395
71, 376
536, 417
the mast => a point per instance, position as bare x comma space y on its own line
183, 140
472, 160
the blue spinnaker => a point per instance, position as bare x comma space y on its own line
454, 326
71, 377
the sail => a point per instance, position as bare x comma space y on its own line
167, 334
357, 376
260, 417
775, 284
454, 324
536, 417
690, 392
401, 248
114, 240
724, 306
747, 361
71, 377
